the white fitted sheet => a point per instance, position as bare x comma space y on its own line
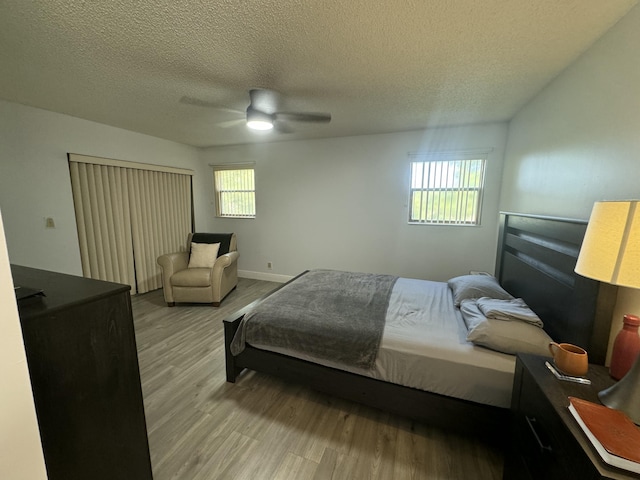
424, 346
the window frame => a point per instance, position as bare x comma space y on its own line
218, 193
442, 158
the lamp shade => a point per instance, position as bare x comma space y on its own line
610, 250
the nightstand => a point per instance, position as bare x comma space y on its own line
546, 442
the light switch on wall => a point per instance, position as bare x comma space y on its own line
49, 223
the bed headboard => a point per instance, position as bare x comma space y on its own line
535, 262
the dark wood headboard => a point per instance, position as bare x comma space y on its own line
535, 262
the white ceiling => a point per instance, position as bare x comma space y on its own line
376, 66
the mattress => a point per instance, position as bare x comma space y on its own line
424, 346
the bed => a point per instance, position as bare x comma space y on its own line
535, 260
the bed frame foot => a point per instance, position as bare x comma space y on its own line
232, 374
231, 325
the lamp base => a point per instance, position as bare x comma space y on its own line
625, 395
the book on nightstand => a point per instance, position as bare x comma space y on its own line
615, 437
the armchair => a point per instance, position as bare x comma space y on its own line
200, 285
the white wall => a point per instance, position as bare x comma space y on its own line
34, 178
578, 141
343, 203
34, 184
20, 450
335, 203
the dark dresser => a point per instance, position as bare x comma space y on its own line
82, 359
546, 442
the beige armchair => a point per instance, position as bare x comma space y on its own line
200, 285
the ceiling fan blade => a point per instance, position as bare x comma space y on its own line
282, 127
196, 101
230, 123
204, 103
303, 117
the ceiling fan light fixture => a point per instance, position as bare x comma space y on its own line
259, 125
257, 120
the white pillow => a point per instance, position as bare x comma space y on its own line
476, 286
203, 255
510, 337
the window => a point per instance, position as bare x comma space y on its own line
446, 191
235, 191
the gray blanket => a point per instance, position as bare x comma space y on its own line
326, 314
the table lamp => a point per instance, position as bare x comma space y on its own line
610, 253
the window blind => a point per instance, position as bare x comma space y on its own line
126, 218
446, 192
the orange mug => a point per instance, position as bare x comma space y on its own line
570, 359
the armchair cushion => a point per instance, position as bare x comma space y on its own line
192, 277
203, 255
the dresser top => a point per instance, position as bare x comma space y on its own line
61, 290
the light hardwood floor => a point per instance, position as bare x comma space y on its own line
201, 427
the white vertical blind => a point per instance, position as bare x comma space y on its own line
234, 187
126, 218
103, 221
446, 191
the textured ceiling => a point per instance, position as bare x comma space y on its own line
376, 66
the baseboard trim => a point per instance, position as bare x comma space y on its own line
269, 277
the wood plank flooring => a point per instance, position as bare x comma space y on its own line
201, 427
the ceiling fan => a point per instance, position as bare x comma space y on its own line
262, 112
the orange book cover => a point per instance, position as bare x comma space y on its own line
612, 428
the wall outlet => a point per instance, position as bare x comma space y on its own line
269, 265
